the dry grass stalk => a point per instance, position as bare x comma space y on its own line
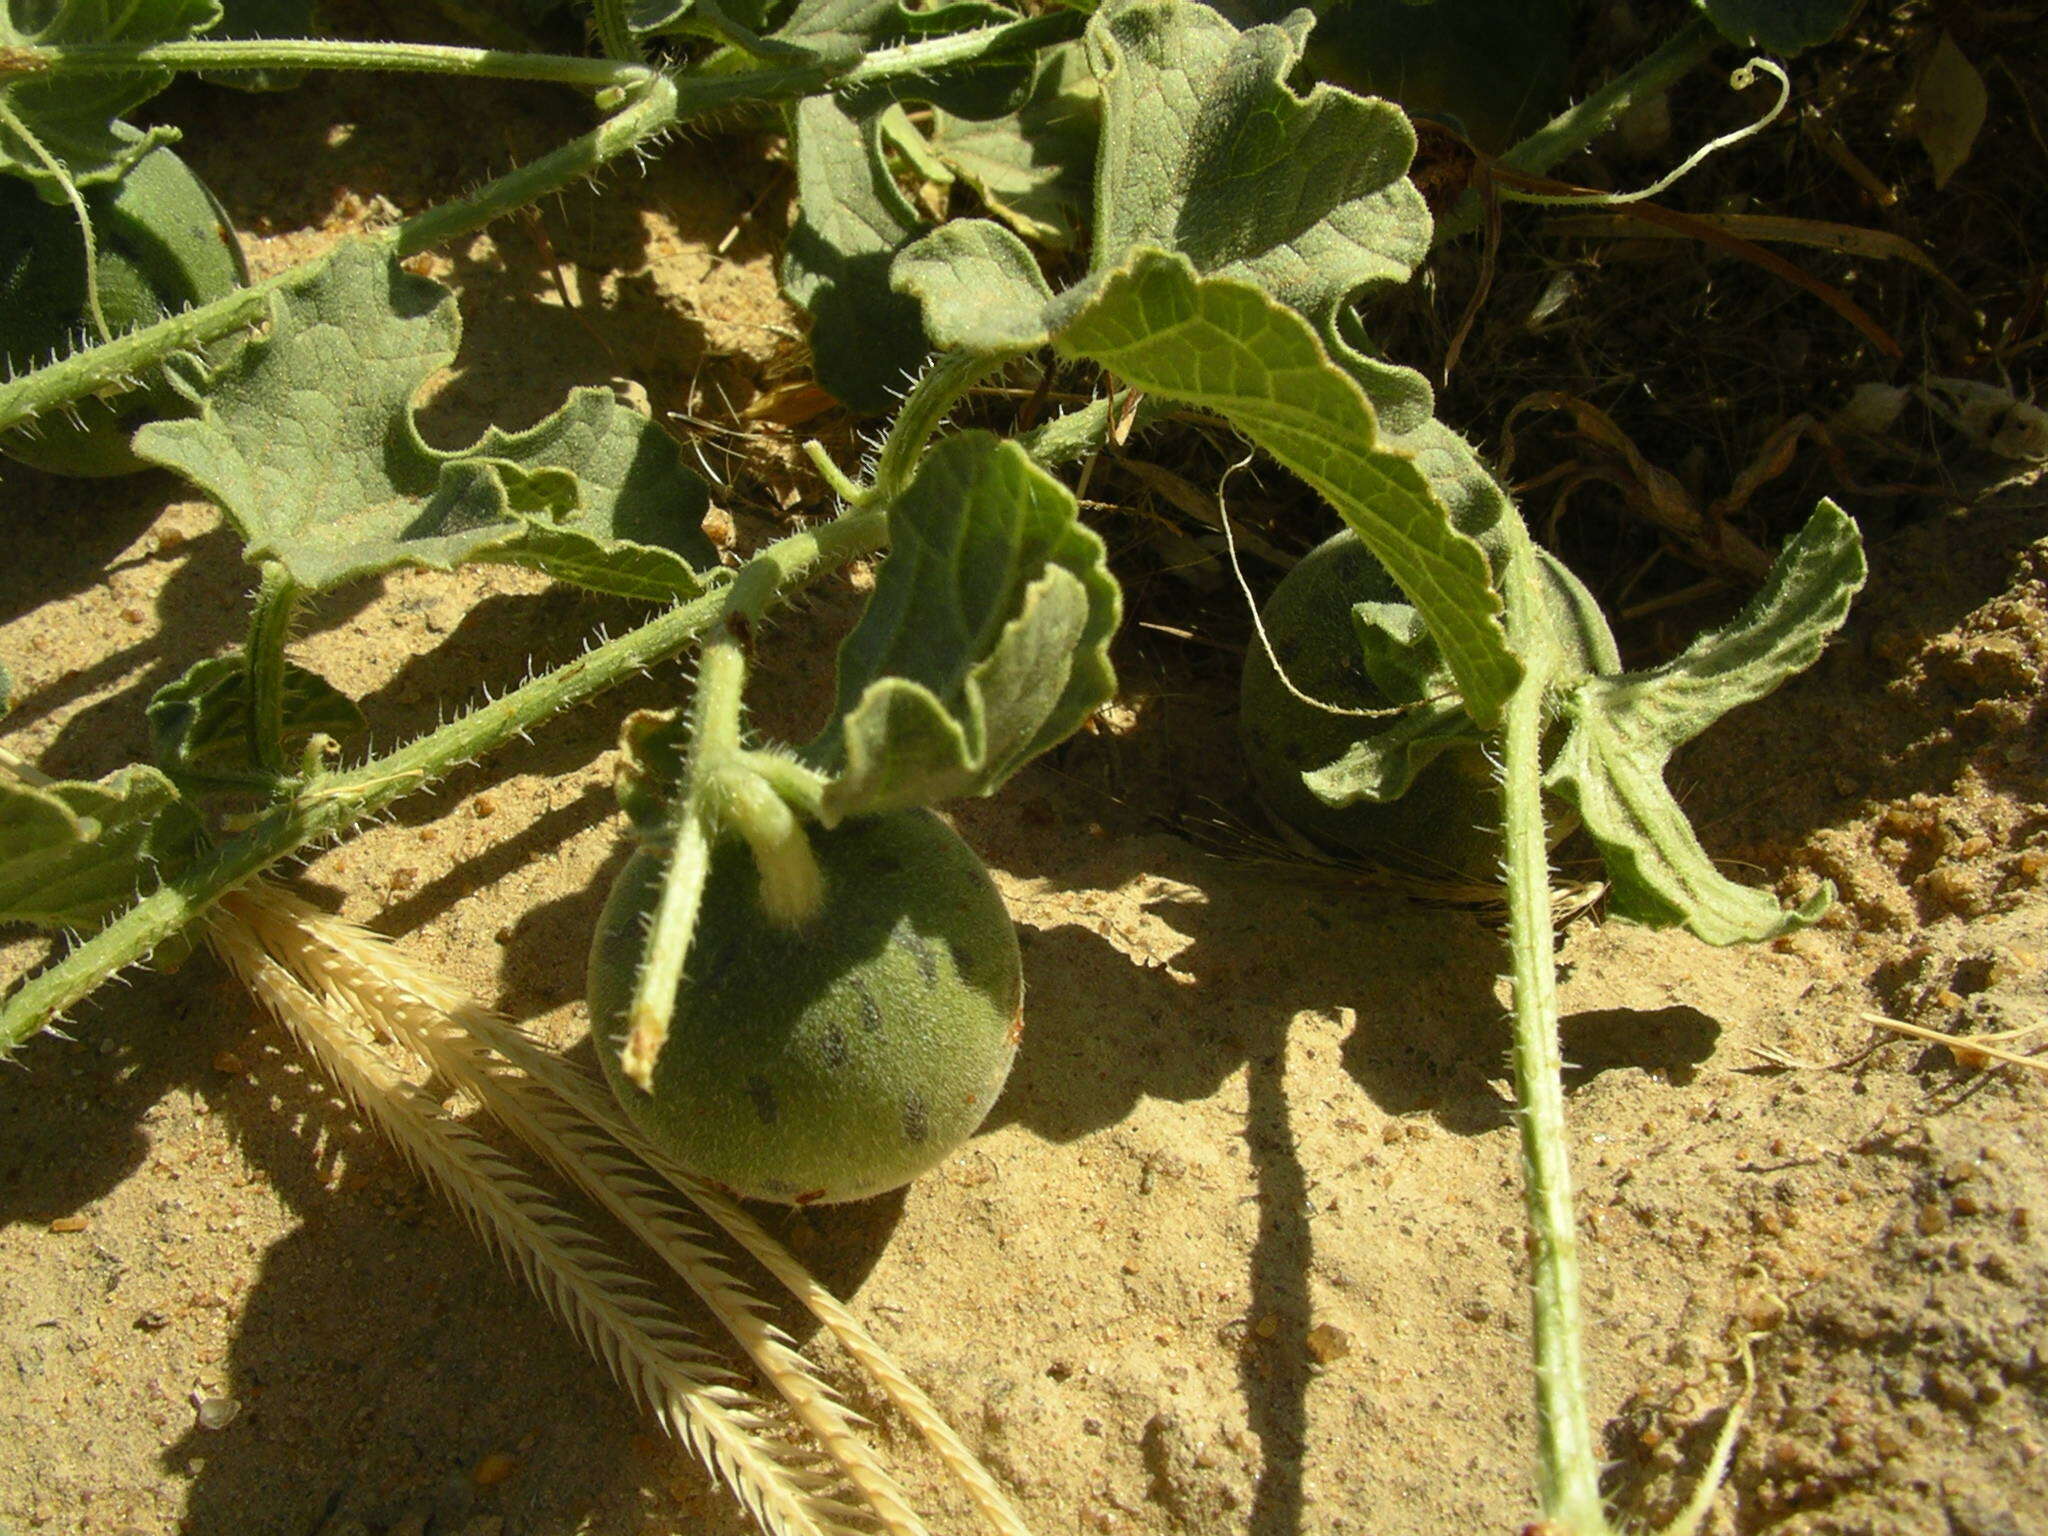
1970, 1051
648, 1349
572, 1121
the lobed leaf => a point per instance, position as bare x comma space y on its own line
77, 118
1207, 151
72, 852
1227, 346
985, 641
308, 443
1624, 729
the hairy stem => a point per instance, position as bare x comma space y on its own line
924, 410
331, 805
323, 53
277, 602
667, 102
1568, 1469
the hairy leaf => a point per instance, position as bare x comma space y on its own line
985, 641
977, 286
199, 725
77, 118
1781, 26
307, 441
1228, 347
866, 340
1208, 152
73, 852
1624, 729
1033, 167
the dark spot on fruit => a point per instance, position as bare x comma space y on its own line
884, 864
870, 1011
834, 1046
919, 948
917, 1121
762, 1092
808, 1197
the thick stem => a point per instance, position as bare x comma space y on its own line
1576, 127
277, 602
1568, 1470
332, 805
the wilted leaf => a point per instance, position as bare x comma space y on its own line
307, 441
77, 118
985, 641
1625, 728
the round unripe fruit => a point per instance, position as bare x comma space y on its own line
1448, 823
164, 245
837, 1059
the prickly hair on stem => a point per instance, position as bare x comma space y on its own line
645, 1346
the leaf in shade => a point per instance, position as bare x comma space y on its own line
1033, 167
1625, 728
866, 341
985, 640
77, 118
308, 443
1781, 26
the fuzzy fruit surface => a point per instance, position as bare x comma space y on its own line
1447, 824
164, 245
834, 1060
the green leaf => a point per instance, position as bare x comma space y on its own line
1033, 167
866, 341
199, 725
307, 441
1226, 346
1206, 151
654, 749
1779, 26
978, 287
985, 640
1624, 729
73, 852
77, 118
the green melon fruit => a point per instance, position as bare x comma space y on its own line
838, 1059
164, 245
1447, 824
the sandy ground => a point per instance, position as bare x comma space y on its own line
1240, 1248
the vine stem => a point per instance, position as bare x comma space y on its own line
323, 53
334, 803
1576, 127
924, 410
665, 103
1568, 1471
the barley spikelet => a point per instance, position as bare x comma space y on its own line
645, 1346
601, 1128
458, 1038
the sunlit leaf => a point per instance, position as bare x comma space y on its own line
72, 852
985, 641
307, 441
199, 724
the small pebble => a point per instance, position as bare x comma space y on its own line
230, 1063
69, 1224
494, 1469
1327, 1343
216, 1412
